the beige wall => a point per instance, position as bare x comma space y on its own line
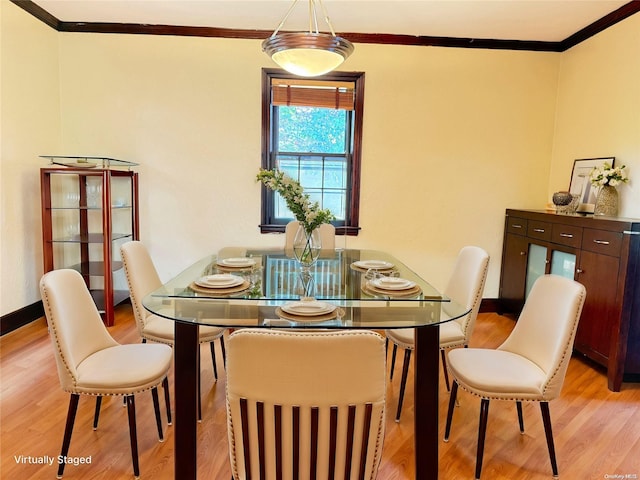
30, 116
599, 108
443, 130
452, 137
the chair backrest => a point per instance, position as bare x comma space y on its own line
313, 399
466, 284
75, 326
142, 278
327, 235
547, 327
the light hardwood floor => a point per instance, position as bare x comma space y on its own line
597, 432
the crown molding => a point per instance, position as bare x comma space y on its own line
605, 22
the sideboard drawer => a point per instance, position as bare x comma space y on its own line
602, 241
517, 225
539, 230
566, 235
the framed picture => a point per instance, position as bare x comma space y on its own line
580, 183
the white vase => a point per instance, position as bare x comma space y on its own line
306, 246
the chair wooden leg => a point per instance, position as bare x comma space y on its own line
167, 399
133, 435
482, 433
452, 404
520, 417
444, 369
393, 361
199, 379
68, 430
403, 381
224, 352
213, 360
546, 420
96, 415
156, 409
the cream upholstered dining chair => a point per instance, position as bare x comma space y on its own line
305, 404
143, 279
465, 286
91, 362
327, 235
531, 363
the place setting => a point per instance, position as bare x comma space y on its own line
235, 264
309, 310
367, 265
391, 286
220, 284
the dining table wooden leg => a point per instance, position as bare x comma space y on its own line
426, 378
185, 386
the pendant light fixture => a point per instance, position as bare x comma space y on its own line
311, 53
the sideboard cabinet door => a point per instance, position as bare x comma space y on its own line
599, 274
514, 272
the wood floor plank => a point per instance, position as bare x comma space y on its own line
597, 432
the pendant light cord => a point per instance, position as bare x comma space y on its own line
313, 18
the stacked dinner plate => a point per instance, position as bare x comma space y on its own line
366, 265
392, 286
221, 283
307, 310
235, 263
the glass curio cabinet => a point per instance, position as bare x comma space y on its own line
89, 209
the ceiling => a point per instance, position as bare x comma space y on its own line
521, 20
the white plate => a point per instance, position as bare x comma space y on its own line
308, 309
375, 264
219, 281
237, 262
392, 283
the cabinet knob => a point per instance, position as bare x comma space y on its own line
578, 270
523, 253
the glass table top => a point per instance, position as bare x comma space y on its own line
345, 288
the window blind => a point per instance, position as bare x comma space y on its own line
298, 93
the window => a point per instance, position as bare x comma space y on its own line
312, 129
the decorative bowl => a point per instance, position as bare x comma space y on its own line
560, 199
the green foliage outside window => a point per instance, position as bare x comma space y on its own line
311, 129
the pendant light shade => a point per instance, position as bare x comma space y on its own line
311, 53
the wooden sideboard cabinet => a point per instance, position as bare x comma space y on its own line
602, 253
88, 212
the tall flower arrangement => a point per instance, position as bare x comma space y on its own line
608, 175
308, 213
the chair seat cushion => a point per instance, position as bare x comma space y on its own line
159, 329
451, 335
123, 369
496, 374
403, 337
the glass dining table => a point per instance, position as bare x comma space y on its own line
265, 288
